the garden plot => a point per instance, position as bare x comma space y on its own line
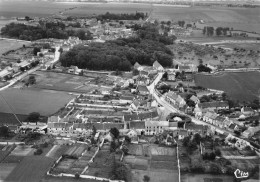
165, 165
135, 149
137, 162
155, 176
102, 164
155, 150
245, 163
22, 150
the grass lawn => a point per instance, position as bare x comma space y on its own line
242, 86
31, 169
25, 101
6, 45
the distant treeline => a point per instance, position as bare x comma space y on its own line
121, 54
124, 16
44, 30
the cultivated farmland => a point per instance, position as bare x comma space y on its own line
242, 86
6, 45
31, 169
159, 163
25, 101
64, 82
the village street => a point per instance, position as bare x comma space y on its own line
170, 108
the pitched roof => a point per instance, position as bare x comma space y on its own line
137, 65
137, 125
214, 104
232, 126
220, 118
85, 126
156, 64
172, 95
211, 115
157, 123
4, 73
108, 126
130, 117
142, 88
248, 109
197, 127
184, 67
194, 98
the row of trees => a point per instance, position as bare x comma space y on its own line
121, 54
49, 30
209, 31
124, 16
222, 31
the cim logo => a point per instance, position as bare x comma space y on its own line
241, 174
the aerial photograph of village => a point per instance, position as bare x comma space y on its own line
129, 90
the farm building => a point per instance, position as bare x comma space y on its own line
155, 127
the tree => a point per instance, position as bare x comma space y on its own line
165, 76
31, 80
146, 178
77, 176
36, 50
215, 168
94, 130
33, 117
218, 152
4, 131
115, 132
219, 31
186, 141
113, 146
197, 138
22, 69
203, 68
224, 96
81, 34
127, 139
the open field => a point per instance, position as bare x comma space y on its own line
25, 101
9, 118
238, 18
64, 82
6, 45
31, 169
6, 169
242, 86
205, 178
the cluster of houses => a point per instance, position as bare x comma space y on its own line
16, 68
